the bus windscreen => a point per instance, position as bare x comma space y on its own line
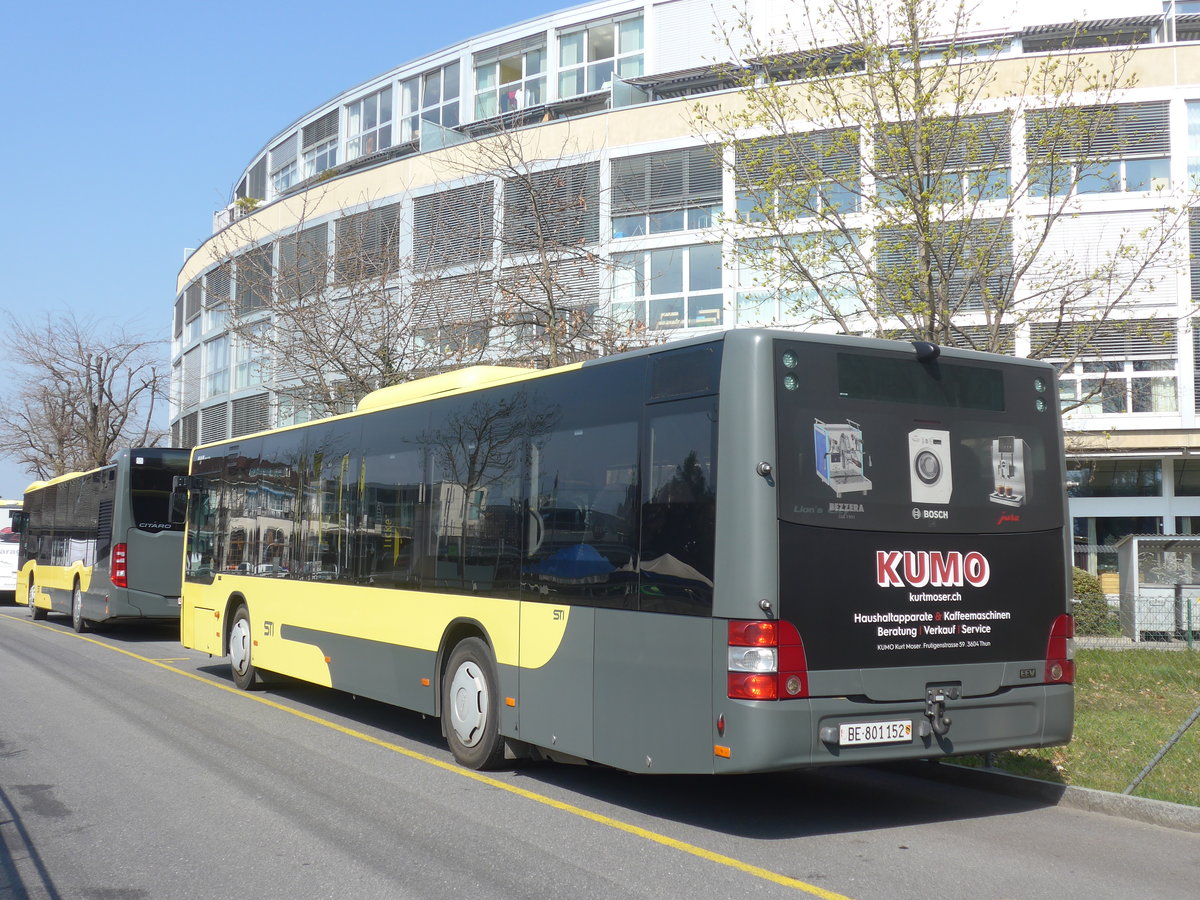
151, 474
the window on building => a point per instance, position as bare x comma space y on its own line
1114, 478
192, 297
772, 290
1107, 387
674, 287
189, 393
320, 140
510, 77
216, 366
254, 276
798, 175
214, 423
589, 56
285, 171
432, 97
967, 160
1099, 150
1187, 484
303, 261
218, 285
970, 261
250, 414
366, 245
658, 193
452, 228
554, 209
369, 124
189, 429
1094, 537
248, 366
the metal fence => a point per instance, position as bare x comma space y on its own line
1157, 619
1166, 616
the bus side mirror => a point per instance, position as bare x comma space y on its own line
19, 522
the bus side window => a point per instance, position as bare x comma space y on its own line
584, 505
679, 508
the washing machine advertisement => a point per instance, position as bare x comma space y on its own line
865, 443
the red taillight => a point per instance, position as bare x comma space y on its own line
766, 661
1060, 651
120, 566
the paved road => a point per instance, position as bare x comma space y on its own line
130, 768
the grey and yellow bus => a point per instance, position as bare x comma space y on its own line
754, 551
99, 546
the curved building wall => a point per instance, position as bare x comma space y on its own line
604, 89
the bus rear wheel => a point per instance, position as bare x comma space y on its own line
470, 705
77, 620
34, 611
241, 664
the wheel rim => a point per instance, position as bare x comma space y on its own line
32, 597
76, 607
239, 646
468, 703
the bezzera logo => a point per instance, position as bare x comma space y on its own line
918, 568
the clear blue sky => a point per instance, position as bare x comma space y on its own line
127, 123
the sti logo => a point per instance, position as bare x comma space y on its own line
918, 568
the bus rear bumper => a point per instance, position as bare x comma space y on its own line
132, 605
775, 735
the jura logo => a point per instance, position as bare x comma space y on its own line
918, 568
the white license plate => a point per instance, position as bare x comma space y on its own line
852, 734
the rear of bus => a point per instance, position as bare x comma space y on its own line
145, 561
921, 606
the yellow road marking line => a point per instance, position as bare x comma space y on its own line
455, 769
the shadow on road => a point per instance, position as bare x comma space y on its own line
775, 806
22, 872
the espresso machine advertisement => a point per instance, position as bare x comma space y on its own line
1010, 458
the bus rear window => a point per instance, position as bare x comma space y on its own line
894, 379
150, 481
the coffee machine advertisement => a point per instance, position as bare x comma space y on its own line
1010, 462
840, 457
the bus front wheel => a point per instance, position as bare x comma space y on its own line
470, 705
240, 641
34, 611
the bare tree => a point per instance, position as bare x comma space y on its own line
546, 307
907, 177
81, 392
331, 310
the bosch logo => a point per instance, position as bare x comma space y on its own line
918, 568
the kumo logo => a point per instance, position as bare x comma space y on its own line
918, 568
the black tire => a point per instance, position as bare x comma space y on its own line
37, 613
77, 621
471, 706
241, 640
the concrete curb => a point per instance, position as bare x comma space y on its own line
1141, 809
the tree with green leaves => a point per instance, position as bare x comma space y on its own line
901, 173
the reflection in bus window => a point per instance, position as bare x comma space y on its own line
679, 513
583, 522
